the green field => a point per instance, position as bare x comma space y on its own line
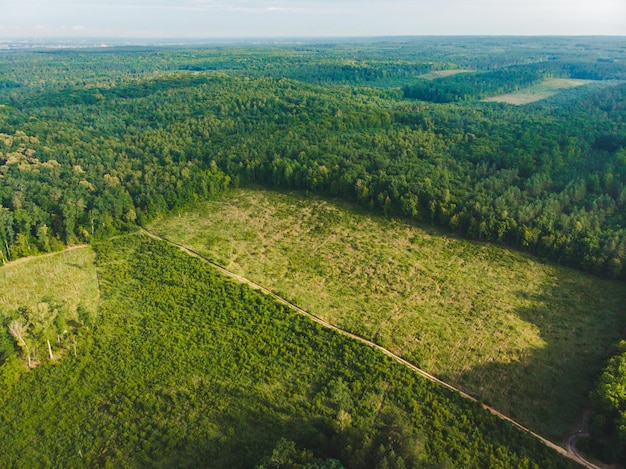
442, 74
67, 277
543, 90
186, 368
525, 336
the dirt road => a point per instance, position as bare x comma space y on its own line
569, 452
21, 260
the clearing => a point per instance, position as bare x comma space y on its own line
537, 92
187, 368
527, 337
443, 74
67, 277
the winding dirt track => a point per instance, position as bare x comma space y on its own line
582, 430
569, 451
21, 260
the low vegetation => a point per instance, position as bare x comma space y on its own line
44, 302
525, 336
186, 368
442, 74
543, 90
67, 277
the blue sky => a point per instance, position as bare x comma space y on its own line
306, 18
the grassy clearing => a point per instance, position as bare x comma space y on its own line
527, 337
187, 368
442, 74
67, 277
537, 92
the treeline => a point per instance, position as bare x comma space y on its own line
550, 179
473, 86
186, 368
48, 204
340, 71
600, 69
470, 86
608, 423
93, 95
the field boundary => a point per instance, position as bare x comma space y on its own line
573, 455
22, 260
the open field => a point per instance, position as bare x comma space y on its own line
443, 74
527, 337
68, 277
537, 92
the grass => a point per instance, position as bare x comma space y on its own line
186, 368
442, 74
540, 91
527, 337
67, 277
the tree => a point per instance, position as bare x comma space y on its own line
608, 425
7, 234
18, 330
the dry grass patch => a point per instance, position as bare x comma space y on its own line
67, 277
442, 74
537, 92
525, 336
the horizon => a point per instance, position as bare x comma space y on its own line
267, 19
165, 40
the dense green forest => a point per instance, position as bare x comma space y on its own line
467, 86
90, 153
94, 142
608, 425
186, 368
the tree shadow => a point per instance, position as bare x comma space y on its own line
546, 388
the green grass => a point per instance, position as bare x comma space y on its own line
540, 91
525, 336
186, 368
67, 277
442, 74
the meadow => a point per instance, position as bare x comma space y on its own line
543, 90
524, 336
67, 277
442, 74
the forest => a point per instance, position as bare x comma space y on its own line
94, 142
86, 158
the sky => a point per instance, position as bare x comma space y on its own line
307, 18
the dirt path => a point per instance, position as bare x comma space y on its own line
570, 452
575, 455
582, 430
21, 260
